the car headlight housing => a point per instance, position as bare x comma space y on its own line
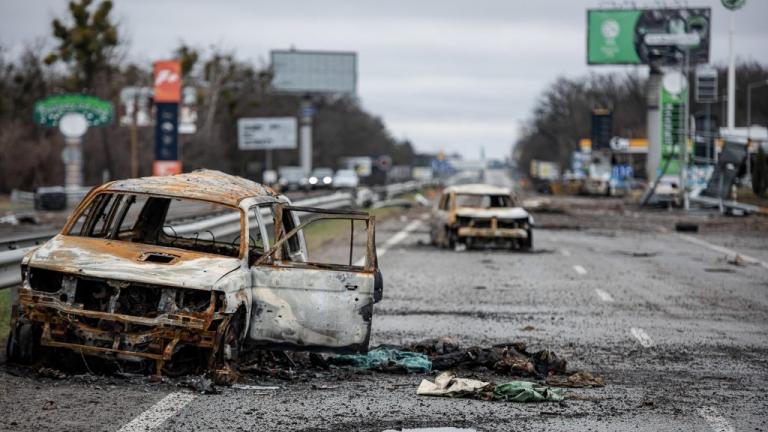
313, 180
327, 180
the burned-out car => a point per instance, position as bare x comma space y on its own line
138, 275
478, 215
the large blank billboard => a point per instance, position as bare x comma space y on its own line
314, 71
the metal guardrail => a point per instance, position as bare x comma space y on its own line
13, 249
714, 202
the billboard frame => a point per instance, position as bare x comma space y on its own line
308, 91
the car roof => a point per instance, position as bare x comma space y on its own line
478, 189
207, 185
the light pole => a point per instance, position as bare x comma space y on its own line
732, 5
750, 87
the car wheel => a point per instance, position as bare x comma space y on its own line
24, 343
229, 345
451, 238
527, 244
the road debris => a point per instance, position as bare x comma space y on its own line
253, 387
447, 384
385, 360
200, 384
577, 379
506, 358
687, 227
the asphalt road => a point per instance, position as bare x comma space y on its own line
679, 333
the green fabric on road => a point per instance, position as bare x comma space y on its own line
384, 358
524, 391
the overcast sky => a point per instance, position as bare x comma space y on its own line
448, 75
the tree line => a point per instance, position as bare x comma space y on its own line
562, 114
89, 57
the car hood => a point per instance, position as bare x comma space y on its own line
499, 213
110, 259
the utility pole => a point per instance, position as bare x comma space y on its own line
732, 5
135, 137
731, 79
684, 141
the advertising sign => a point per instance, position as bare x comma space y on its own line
49, 111
136, 99
166, 132
647, 36
314, 71
602, 128
167, 81
266, 133
733, 4
165, 168
674, 93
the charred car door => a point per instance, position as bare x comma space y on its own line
304, 303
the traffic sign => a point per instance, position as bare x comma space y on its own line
266, 133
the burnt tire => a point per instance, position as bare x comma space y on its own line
227, 356
23, 345
527, 244
451, 238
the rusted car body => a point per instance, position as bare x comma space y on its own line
479, 215
128, 279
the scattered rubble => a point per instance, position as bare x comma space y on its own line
449, 385
200, 384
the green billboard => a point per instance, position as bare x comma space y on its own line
648, 36
611, 37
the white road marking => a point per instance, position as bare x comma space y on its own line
604, 296
641, 337
392, 241
717, 422
166, 408
732, 253
580, 270
565, 252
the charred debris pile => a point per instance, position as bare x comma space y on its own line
441, 354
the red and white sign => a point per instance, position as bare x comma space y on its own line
168, 81
166, 168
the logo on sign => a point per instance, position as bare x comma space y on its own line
610, 30
168, 81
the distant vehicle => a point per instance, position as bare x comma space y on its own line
321, 178
292, 178
480, 215
346, 179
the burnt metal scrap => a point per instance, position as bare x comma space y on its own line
121, 283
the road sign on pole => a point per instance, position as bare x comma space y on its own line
266, 133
